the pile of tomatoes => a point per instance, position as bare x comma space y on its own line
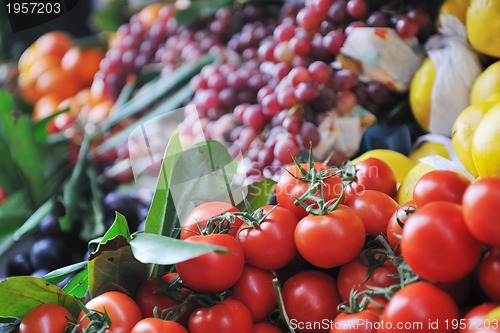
336, 254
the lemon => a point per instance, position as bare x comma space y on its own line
493, 314
421, 93
463, 132
428, 148
456, 8
399, 163
485, 147
405, 191
495, 97
483, 26
487, 83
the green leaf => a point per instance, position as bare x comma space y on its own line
7, 107
19, 295
258, 193
162, 250
199, 8
60, 274
40, 126
118, 228
79, 284
114, 267
10, 176
34, 220
95, 224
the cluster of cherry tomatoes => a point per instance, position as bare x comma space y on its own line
336, 254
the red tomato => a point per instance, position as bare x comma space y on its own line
213, 272
373, 174
311, 298
459, 290
375, 210
151, 294
228, 317
437, 245
481, 211
289, 188
394, 229
123, 312
255, 290
3, 196
270, 245
354, 275
156, 325
330, 240
489, 274
266, 328
419, 307
358, 322
475, 320
203, 213
46, 318
440, 185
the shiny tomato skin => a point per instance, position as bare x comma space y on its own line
480, 204
255, 290
266, 328
311, 296
213, 272
46, 318
375, 209
437, 245
288, 188
489, 274
440, 185
350, 322
228, 317
122, 310
419, 303
156, 325
205, 212
372, 174
270, 245
330, 240
394, 229
475, 319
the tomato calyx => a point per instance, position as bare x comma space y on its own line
100, 321
408, 210
221, 224
319, 206
252, 218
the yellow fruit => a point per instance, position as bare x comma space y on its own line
495, 97
483, 26
485, 147
421, 93
494, 315
457, 8
487, 83
399, 163
428, 148
463, 132
405, 191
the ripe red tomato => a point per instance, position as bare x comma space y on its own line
475, 320
375, 210
373, 174
437, 245
266, 328
203, 213
122, 310
270, 245
489, 274
213, 272
255, 290
419, 307
354, 275
311, 298
358, 322
440, 185
228, 317
156, 325
394, 229
288, 188
330, 240
481, 211
46, 318
151, 294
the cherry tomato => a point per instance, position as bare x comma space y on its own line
46, 318
481, 211
255, 290
123, 312
311, 297
354, 275
213, 272
330, 240
375, 210
372, 174
475, 320
266, 328
440, 185
489, 274
289, 188
156, 325
437, 245
203, 213
270, 245
419, 307
394, 229
228, 317
358, 322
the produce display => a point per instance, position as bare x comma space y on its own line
228, 166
